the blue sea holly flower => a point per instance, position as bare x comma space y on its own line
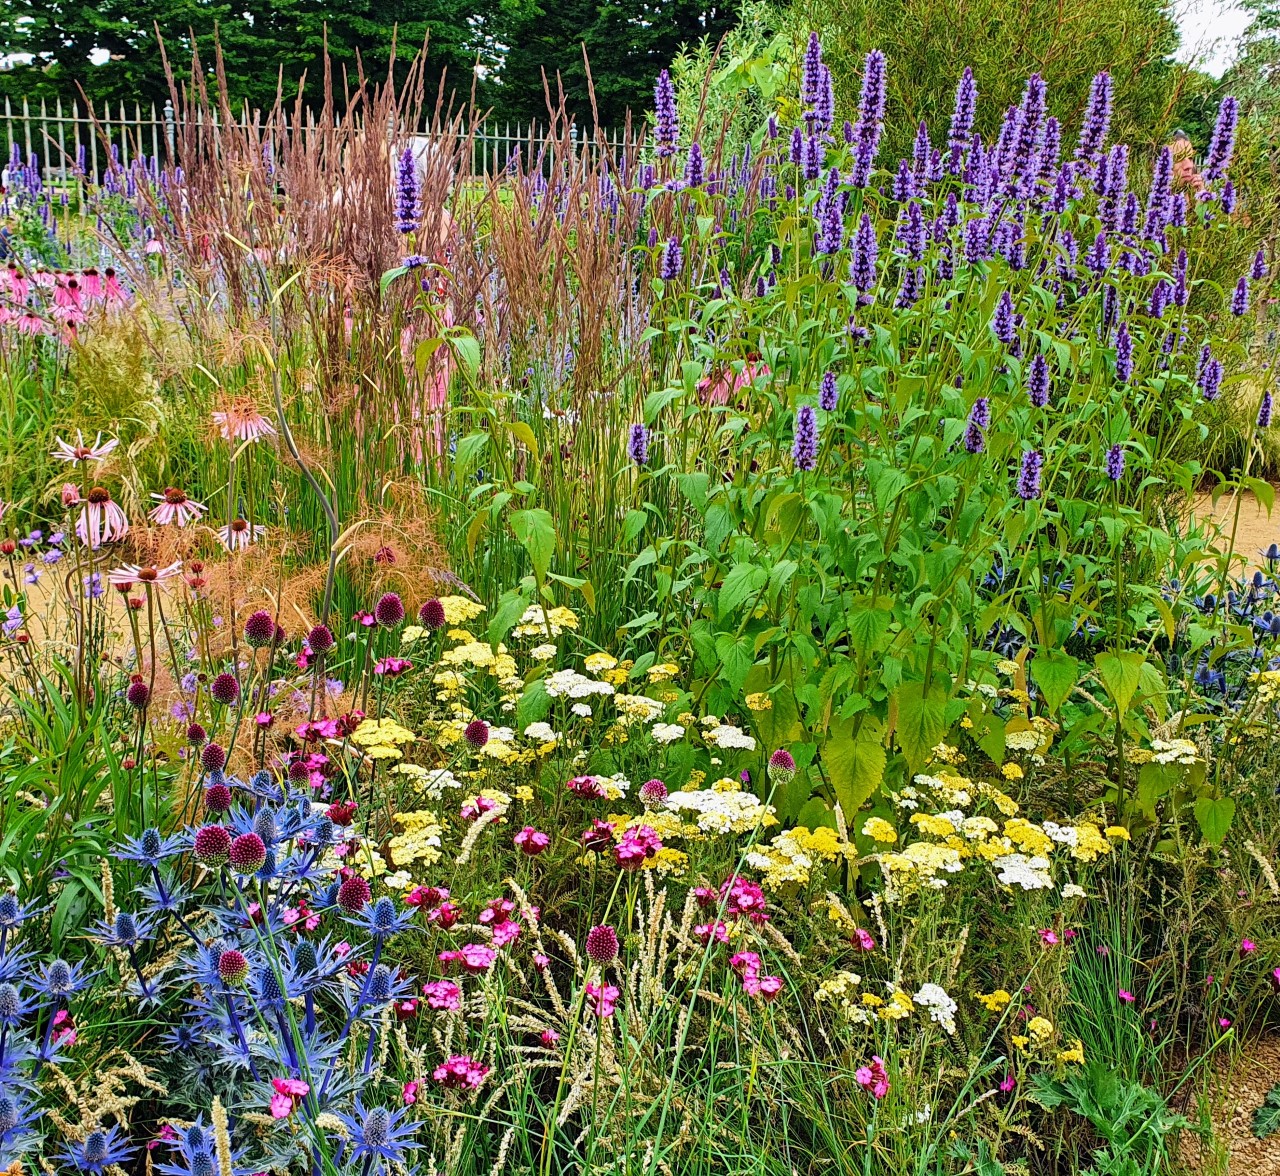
379, 1134
381, 919
98, 1151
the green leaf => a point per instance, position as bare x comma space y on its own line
787, 511
521, 431
384, 282
868, 625
536, 533
922, 721
854, 765
578, 584
534, 704
1056, 674
510, 606
632, 524
1120, 674
735, 657
1214, 817
1266, 1119
647, 556
743, 580
468, 452
466, 349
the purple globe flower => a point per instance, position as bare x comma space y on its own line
225, 689
782, 767
389, 611
602, 944
259, 628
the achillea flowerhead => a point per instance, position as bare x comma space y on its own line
638, 445
247, 853
217, 798
1028, 486
212, 846
233, 967
225, 689
476, 733
782, 767
213, 758
389, 611
259, 629
804, 451
431, 615
353, 895
1115, 463
602, 944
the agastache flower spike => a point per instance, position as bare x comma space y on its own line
1097, 258
672, 260
1223, 142
407, 194
911, 235
1115, 463
638, 447
1259, 270
804, 451
1097, 121
1028, 486
962, 121
862, 270
870, 124
1002, 322
1158, 197
1240, 299
1038, 382
666, 129
828, 394
979, 419
1124, 354
1264, 410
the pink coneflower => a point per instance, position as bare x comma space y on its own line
241, 421
176, 507
530, 841
101, 520
1125, 995
91, 283
602, 999
130, 574
112, 291
238, 534
65, 451
460, 1072
30, 323
874, 1077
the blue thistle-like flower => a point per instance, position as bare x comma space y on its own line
379, 1133
804, 450
638, 445
1097, 121
672, 260
1038, 382
60, 979
15, 1007
828, 393
1223, 141
862, 269
407, 193
1240, 299
1028, 486
960, 136
1115, 463
98, 1151
666, 118
1124, 354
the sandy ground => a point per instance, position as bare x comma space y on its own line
1255, 531
1241, 1087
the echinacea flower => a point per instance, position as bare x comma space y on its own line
65, 451
129, 574
101, 520
241, 421
175, 507
238, 534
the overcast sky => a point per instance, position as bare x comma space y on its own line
1209, 32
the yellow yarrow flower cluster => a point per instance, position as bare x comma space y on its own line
420, 840
458, 610
378, 738
878, 829
537, 620
790, 857
993, 1002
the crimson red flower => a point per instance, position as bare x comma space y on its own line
213, 846
353, 894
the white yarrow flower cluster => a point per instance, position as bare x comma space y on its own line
571, 684
722, 812
1016, 869
1174, 751
667, 732
942, 1008
541, 733
728, 738
637, 708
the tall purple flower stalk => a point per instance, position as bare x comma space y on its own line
1097, 258
1158, 197
672, 260
870, 125
1038, 382
407, 215
828, 393
1223, 142
979, 419
1265, 410
1259, 269
1240, 299
666, 118
1002, 324
1210, 378
1023, 162
1115, 463
911, 234
811, 71
804, 451
1097, 122
862, 268
638, 445
829, 211
1028, 486
1180, 289
695, 172
1124, 354
960, 136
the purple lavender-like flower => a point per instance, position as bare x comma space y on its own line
977, 240
1024, 160
407, 192
1131, 216
811, 71
1223, 142
672, 260
904, 183
1097, 121
638, 446
1110, 185
1002, 324
804, 451
920, 152
812, 156
910, 290
1124, 354
1028, 486
829, 211
979, 419
1228, 201
666, 118
911, 235
870, 126
1161, 293
862, 269
1051, 151
1115, 463
824, 107
1211, 378
1176, 214
1097, 257
959, 137
1180, 291
1240, 299
1038, 382
1259, 269
828, 393
1264, 410
694, 169
1158, 197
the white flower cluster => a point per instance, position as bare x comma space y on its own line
942, 1008
729, 737
667, 732
722, 812
1174, 751
541, 733
1016, 869
571, 684
431, 781
637, 708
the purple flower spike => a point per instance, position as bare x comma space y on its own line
1240, 299
1097, 121
979, 420
862, 269
804, 452
1115, 463
1028, 486
828, 393
1002, 324
960, 136
638, 447
1124, 354
1259, 270
666, 130
1264, 410
407, 215
1223, 142
672, 260
1038, 382
870, 125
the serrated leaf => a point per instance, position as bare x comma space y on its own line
868, 625
854, 763
1214, 816
735, 657
1120, 674
922, 721
742, 581
536, 533
1056, 674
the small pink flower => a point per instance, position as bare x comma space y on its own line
588, 787
636, 847
1247, 947
863, 941
765, 987
505, 933
341, 950
1126, 996
706, 932
1275, 979
874, 1077
443, 994
602, 999
476, 957
542, 963
1224, 1023
460, 1073
1048, 937
1007, 1083
409, 1093
530, 841
549, 1037
287, 1093
745, 963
